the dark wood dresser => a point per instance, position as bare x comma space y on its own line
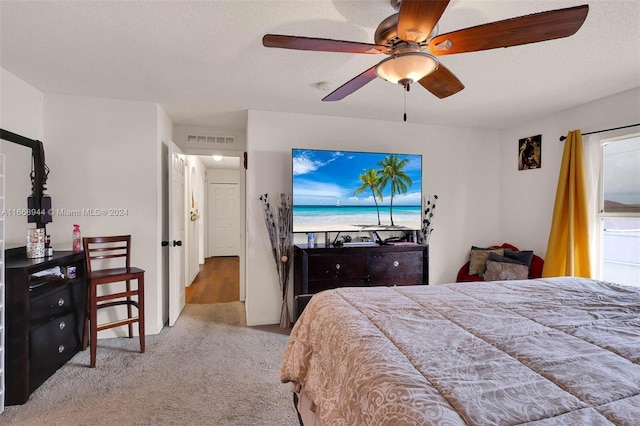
44, 320
321, 268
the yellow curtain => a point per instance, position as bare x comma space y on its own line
568, 247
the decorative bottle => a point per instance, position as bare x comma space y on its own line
47, 247
76, 238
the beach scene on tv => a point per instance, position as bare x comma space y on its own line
356, 191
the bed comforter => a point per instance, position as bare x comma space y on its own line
537, 352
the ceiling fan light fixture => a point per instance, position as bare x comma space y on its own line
406, 68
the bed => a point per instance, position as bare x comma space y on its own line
538, 352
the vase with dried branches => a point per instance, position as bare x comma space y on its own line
278, 220
428, 210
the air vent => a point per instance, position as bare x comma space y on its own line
210, 140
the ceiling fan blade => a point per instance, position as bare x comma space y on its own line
512, 32
441, 82
320, 44
352, 85
417, 18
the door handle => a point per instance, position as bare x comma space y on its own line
165, 243
177, 243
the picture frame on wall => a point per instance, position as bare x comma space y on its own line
530, 153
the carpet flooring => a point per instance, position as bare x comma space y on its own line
209, 369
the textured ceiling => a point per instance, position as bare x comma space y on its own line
204, 62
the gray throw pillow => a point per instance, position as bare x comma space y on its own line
497, 258
524, 256
478, 259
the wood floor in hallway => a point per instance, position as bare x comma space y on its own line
217, 282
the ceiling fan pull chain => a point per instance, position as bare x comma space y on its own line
406, 89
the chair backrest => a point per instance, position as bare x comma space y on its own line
103, 250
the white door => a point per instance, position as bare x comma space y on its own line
224, 219
177, 219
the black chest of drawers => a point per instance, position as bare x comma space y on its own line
317, 269
44, 320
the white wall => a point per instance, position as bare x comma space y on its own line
103, 154
20, 112
196, 173
460, 165
223, 175
527, 197
20, 106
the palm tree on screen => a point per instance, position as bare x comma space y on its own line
391, 172
370, 180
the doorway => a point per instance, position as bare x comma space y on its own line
220, 277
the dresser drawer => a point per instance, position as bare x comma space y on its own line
51, 345
53, 340
68, 299
382, 265
329, 266
316, 286
402, 279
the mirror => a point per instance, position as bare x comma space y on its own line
20, 153
17, 187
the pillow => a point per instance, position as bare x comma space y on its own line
525, 256
504, 259
478, 259
501, 271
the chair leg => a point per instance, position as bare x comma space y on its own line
93, 325
141, 312
87, 313
129, 311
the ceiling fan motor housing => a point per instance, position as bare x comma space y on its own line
387, 33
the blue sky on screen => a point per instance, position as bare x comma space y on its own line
330, 177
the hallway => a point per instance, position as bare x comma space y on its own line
217, 282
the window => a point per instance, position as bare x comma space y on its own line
620, 211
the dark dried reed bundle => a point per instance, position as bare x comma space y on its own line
429, 208
278, 220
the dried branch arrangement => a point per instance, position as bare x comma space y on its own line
278, 219
429, 208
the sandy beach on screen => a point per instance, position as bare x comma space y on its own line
350, 227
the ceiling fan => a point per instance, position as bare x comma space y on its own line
410, 39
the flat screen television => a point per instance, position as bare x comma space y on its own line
338, 191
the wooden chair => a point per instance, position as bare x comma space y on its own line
100, 251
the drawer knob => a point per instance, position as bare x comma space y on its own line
62, 325
60, 348
337, 266
60, 301
396, 263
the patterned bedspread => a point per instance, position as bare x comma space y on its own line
540, 352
